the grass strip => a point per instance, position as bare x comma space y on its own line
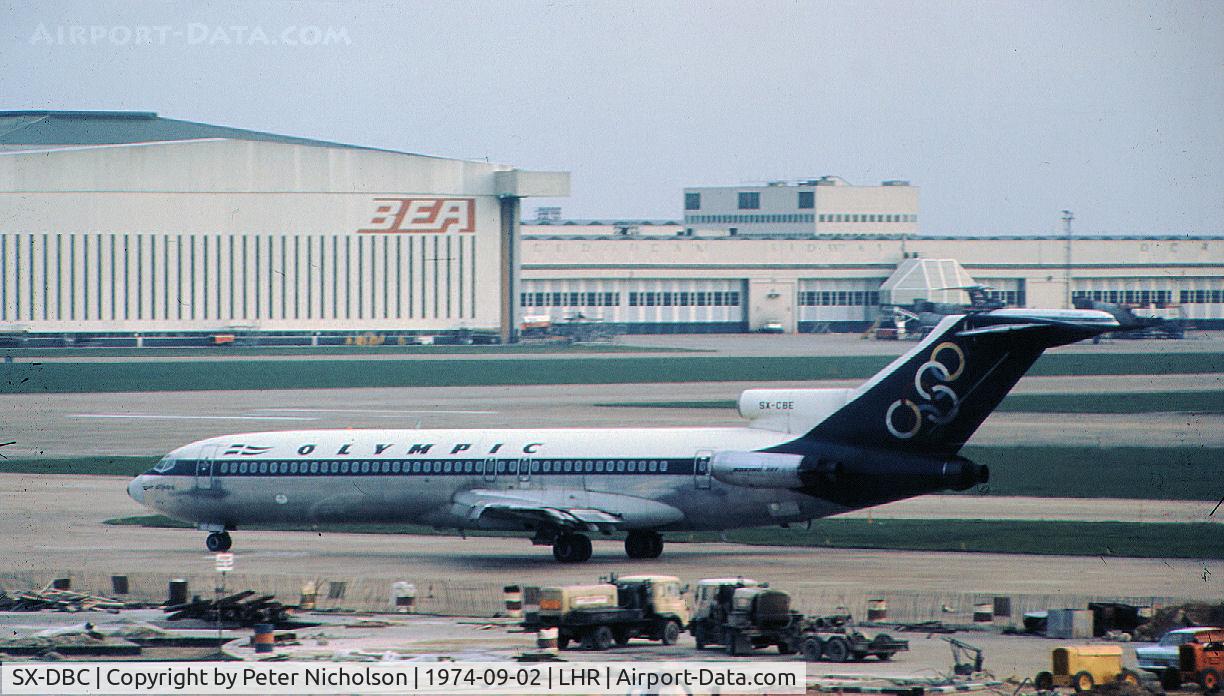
1098, 539
94, 466
1101, 402
1145, 473
70, 377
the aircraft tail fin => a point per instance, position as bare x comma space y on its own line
932, 399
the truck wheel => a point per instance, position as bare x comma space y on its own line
732, 643
811, 649
699, 636
1128, 677
598, 639
884, 656
621, 636
670, 633
1209, 679
1083, 682
1170, 679
837, 650
1044, 681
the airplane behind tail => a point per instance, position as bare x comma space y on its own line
807, 453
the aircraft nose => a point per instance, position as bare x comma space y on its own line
136, 490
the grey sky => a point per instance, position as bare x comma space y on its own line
1003, 113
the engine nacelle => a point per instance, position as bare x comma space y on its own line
790, 410
757, 469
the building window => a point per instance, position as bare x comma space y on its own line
807, 199
692, 201
749, 200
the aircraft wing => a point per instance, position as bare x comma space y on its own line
562, 509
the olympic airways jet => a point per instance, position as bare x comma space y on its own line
804, 454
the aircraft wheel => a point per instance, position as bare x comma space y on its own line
656, 545
643, 544
572, 548
218, 542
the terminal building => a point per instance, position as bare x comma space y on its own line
129, 224
821, 206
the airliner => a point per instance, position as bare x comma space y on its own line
803, 454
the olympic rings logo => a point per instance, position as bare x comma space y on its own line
939, 403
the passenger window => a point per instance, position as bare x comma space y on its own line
344, 467
263, 467
314, 467
447, 468
225, 467
501, 467
599, 466
663, 465
620, 465
416, 467
535, 466
654, 466
395, 467
568, 466
590, 466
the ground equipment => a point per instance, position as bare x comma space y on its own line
598, 616
1083, 667
743, 615
1202, 661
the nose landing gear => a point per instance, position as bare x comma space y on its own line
218, 542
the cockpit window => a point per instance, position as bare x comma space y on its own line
166, 464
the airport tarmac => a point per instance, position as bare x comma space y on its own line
55, 523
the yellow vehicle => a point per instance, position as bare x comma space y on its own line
634, 606
1082, 667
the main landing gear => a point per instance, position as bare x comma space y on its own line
572, 548
643, 544
218, 542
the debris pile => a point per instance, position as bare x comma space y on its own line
49, 598
1169, 618
242, 609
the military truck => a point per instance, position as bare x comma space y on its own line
744, 615
597, 616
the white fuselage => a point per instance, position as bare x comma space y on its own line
653, 478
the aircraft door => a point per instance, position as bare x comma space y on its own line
490, 469
701, 468
205, 473
524, 471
